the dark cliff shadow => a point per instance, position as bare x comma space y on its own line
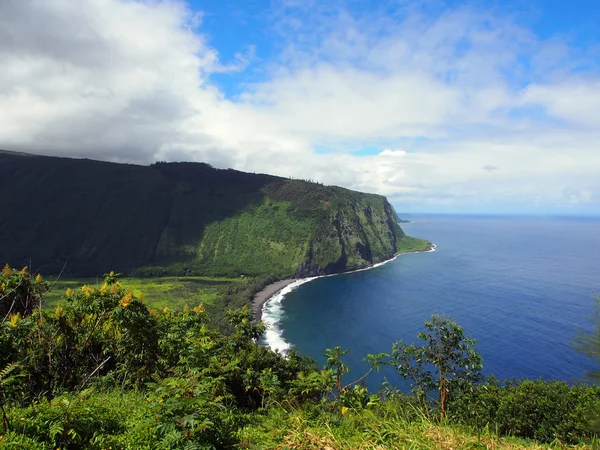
97, 216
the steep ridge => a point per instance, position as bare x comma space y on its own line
178, 218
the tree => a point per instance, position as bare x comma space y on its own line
446, 364
335, 363
588, 342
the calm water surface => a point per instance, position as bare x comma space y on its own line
519, 286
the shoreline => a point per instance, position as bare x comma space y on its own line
263, 296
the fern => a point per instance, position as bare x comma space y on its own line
7, 377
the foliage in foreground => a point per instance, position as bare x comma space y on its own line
98, 419
104, 371
392, 424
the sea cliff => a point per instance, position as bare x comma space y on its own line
186, 218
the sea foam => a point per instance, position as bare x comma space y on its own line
271, 316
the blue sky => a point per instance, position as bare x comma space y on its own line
442, 106
235, 27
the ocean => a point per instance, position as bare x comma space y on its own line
521, 286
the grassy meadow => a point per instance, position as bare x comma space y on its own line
158, 292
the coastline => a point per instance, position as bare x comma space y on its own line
263, 296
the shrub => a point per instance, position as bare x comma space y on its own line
540, 410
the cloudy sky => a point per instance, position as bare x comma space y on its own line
443, 106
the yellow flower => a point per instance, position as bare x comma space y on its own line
344, 410
199, 309
6, 271
186, 308
15, 319
38, 278
166, 311
115, 288
23, 271
127, 300
58, 312
104, 288
69, 292
87, 290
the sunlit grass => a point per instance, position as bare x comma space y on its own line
174, 292
364, 430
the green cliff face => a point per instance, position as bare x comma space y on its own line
185, 218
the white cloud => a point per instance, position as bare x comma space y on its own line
574, 102
394, 153
99, 77
457, 91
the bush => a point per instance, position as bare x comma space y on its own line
20, 292
540, 410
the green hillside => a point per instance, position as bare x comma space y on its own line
185, 218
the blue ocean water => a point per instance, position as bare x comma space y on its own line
520, 286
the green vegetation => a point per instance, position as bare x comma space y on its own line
589, 342
408, 244
103, 370
185, 219
456, 366
173, 292
270, 230
217, 295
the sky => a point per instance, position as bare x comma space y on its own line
442, 106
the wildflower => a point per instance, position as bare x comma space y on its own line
127, 300
69, 292
104, 288
87, 290
344, 410
58, 312
166, 311
22, 418
23, 271
186, 308
15, 319
115, 288
38, 278
199, 309
6, 271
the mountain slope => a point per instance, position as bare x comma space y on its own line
185, 218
